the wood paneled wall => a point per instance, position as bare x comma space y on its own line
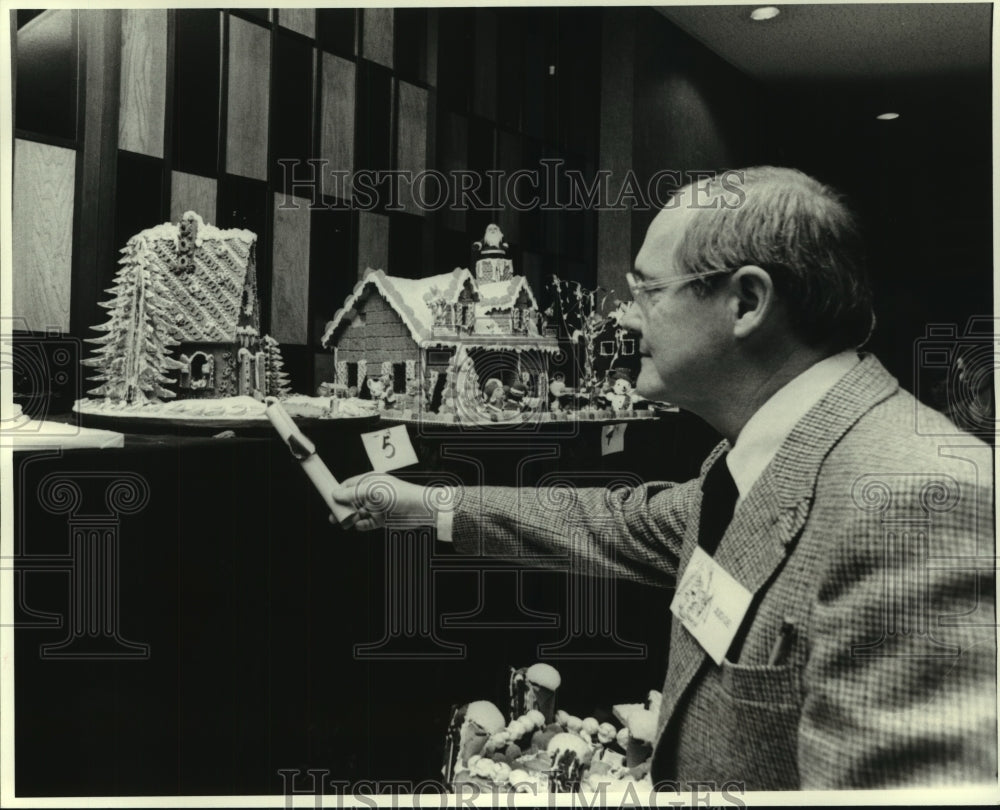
143, 87
208, 102
44, 177
290, 271
247, 95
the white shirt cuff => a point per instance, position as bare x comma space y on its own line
444, 523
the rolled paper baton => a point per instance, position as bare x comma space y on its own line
305, 452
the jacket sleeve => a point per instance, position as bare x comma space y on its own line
900, 680
632, 533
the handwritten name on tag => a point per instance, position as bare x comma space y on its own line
389, 449
710, 604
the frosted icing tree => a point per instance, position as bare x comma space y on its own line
276, 382
133, 357
461, 388
585, 321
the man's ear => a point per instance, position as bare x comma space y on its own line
753, 299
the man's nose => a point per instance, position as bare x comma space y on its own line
631, 319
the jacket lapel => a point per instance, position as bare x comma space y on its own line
770, 516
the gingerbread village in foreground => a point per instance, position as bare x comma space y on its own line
542, 750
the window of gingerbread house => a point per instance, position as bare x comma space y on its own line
399, 378
199, 372
465, 309
522, 311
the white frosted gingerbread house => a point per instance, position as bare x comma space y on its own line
416, 331
184, 313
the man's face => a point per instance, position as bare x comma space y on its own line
683, 337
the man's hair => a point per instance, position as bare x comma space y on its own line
800, 232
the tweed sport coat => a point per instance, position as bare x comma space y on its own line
873, 540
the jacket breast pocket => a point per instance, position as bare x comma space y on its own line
760, 683
765, 704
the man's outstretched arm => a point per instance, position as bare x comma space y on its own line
629, 532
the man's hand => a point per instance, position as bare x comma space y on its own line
374, 497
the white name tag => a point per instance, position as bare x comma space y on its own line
389, 449
710, 604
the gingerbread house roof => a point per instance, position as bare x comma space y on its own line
206, 302
502, 295
411, 299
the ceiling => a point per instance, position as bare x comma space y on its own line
845, 41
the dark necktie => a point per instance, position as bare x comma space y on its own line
718, 501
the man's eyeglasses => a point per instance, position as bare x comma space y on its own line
638, 288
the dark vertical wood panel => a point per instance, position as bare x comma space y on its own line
452, 249
373, 242
290, 270
456, 55
196, 91
510, 68
406, 246
535, 76
578, 79
614, 228
95, 252
47, 74
373, 121
139, 194
552, 222
142, 101
291, 109
433, 25
481, 159
509, 160
248, 96
481, 151
453, 154
484, 92
324, 368
335, 30
576, 225
532, 236
332, 268
411, 140
337, 108
410, 44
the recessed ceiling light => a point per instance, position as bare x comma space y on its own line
764, 13
887, 116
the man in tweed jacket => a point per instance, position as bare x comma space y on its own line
866, 657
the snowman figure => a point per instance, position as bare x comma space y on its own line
381, 392
621, 395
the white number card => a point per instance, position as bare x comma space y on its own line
389, 449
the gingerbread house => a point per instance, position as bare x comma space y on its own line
415, 331
184, 315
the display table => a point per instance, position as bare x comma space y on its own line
238, 634
21, 432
